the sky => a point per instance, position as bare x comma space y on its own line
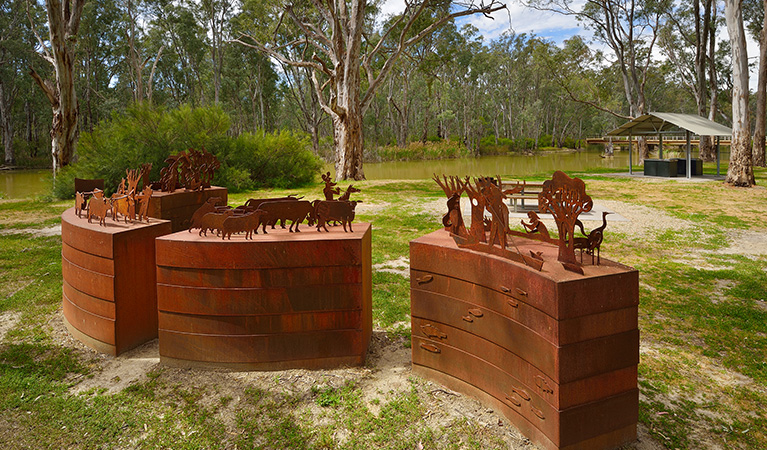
552, 26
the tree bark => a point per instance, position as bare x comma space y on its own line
761, 96
335, 30
740, 171
63, 24
7, 125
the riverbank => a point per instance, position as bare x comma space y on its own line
700, 250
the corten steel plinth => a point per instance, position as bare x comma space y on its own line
179, 205
281, 300
555, 351
109, 290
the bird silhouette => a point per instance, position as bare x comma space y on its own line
595, 238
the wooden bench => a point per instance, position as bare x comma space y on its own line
530, 191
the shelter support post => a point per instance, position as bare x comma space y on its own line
689, 158
631, 153
660, 146
717, 155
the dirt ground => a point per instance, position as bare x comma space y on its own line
388, 363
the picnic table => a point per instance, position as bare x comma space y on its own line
530, 191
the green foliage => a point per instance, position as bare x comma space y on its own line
146, 134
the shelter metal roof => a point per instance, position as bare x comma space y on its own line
656, 122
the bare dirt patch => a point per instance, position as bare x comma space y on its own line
399, 266
8, 321
54, 230
116, 373
746, 242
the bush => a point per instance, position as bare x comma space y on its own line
146, 134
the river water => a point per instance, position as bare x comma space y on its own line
516, 166
23, 183
29, 183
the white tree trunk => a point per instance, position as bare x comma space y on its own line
740, 171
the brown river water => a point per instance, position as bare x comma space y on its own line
30, 183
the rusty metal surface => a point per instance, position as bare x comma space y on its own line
609, 440
179, 206
513, 304
109, 282
562, 426
565, 198
563, 363
263, 349
556, 351
330, 188
557, 292
190, 169
559, 396
282, 300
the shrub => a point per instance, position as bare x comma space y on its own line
147, 134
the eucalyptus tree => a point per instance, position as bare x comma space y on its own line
756, 11
629, 28
689, 40
338, 45
740, 171
216, 15
63, 26
249, 86
183, 71
100, 59
14, 55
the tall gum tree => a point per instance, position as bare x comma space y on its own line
342, 68
741, 170
63, 24
629, 28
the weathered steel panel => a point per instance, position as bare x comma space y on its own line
258, 348
250, 301
606, 287
94, 305
109, 288
555, 350
560, 396
278, 277
266, 324
562, 426
516, 307
97, 327
276, 301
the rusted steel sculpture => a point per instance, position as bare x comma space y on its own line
143, 200
485, 195
254, 203
191, 169
593, 240
214, 222
243, 223
208, 207
347, 194
79, 203
565, 198
554, 351
283, 211
330, 188
330, 210
125, 205
453, 187
535, 225
98, 207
